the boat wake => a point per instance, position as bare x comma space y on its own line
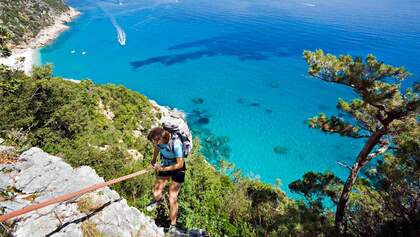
143, 22
121, 36
127, 9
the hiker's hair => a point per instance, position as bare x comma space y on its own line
157, 133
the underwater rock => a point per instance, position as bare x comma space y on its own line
195, 131
216, 148
280, 150
240, 101
268, 111
199, 112
273, 85
198, 100
205, 131
203, 120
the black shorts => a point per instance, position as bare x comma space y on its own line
176, 175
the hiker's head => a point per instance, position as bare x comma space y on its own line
158, 135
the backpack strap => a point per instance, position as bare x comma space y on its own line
171, 142
172, 128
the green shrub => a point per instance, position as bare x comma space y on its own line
65, 118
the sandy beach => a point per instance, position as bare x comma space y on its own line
29, 51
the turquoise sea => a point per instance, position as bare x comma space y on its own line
236, 68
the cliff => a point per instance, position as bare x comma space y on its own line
27, 25
104, 127
37, 176
26, 18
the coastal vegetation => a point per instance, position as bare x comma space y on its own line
25, 18
5, 37
64, 118
381, 202
100, 126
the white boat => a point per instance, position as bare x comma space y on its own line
121, 36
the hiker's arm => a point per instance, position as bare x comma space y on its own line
155, 155
179, 164
177, 149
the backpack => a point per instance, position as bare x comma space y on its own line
177, 130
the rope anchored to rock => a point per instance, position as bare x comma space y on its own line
68, 196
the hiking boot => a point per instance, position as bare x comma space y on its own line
173, 231
152, 205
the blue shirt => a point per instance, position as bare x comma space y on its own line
168, 156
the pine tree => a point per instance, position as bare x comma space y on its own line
378, 112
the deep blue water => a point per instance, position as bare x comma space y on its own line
236, 68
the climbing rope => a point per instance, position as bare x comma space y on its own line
69, 196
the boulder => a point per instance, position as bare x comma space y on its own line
38, 176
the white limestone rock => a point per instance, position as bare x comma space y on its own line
135, 155
41, 176
171, 116
4, 181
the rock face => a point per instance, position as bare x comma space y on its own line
38, 176
26, 18
171, 116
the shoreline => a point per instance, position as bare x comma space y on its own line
30, 51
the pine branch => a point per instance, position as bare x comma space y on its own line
335, 125
343, 165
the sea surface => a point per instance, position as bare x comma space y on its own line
236, 68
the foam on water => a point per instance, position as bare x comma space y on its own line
121, 36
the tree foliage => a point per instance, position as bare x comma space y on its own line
5, 38
67, 119
25, 18
388, 118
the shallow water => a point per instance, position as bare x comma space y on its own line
236, 68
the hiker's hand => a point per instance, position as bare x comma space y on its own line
157, 167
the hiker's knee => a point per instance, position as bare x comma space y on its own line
157, 192
173, 197
158, 188
173, 192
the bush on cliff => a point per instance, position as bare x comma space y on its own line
93, 125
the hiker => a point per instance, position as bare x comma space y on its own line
172, 166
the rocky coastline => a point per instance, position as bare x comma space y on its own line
25, 55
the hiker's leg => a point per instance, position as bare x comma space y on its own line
158, 187
173, 201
